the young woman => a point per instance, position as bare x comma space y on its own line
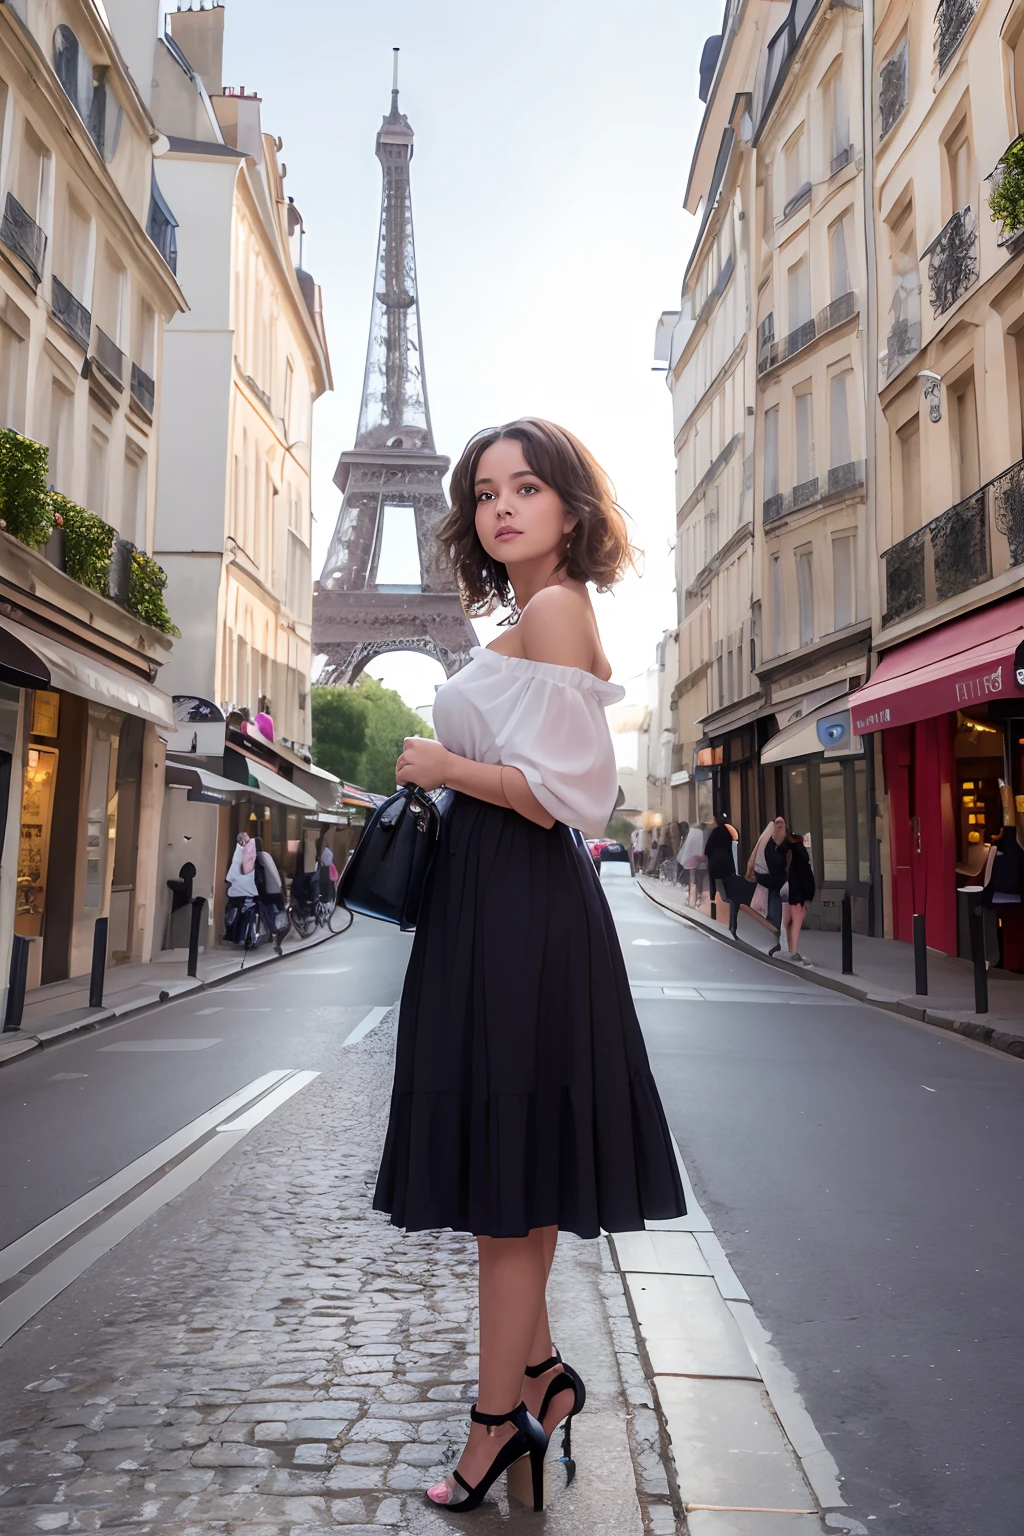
797, 892
523, 1101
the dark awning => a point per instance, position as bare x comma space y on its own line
19, 665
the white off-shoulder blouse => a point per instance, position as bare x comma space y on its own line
547, 721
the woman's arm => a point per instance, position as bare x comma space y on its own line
430, 765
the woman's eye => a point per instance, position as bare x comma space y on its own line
531, 488
484, 496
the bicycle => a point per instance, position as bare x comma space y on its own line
321, 912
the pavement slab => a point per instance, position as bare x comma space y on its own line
268, 1355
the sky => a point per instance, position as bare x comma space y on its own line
553, 141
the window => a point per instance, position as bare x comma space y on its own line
958, 163
838, 121
60, 436
144, 340
841, 283
805, 595
86, 87
13, 363
804, 414
796, 176
111, 289
966, 451
833, 821
775, 589
163, 227
133, 511
1017, 78
99, 457
289, 390
799, 294
839, 419
771, 453
844, 579
910, 475
73, 253
32, 176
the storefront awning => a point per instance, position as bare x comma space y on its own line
20, 666
826, 729
203, 786
75, 672
273, 787
968, 662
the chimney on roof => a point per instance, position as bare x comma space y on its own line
200, 36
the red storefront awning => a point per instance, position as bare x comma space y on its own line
953, 667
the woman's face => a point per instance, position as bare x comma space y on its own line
519, 518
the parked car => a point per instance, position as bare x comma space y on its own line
613, 853
597, 846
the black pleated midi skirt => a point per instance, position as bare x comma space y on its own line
523, 1096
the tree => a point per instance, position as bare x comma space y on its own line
358, 732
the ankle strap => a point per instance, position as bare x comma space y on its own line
545, 1365
492, 1420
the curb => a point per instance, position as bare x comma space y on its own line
983, 1034
16, 1044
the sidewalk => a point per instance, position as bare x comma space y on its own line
62, 1008
883, 972
268, 1356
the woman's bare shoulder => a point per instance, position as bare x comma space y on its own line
558, 627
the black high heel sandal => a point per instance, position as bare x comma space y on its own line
566, 1380
529, 1440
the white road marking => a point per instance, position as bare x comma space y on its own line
371, 1021
927, 1089
66, 1077
41, 1288
218, 1009
180, 1044
273, 1100
32, 1245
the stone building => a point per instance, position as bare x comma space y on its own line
87, 285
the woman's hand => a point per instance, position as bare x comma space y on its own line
423, 762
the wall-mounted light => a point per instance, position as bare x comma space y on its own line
932, 391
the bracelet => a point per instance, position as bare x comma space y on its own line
501, 782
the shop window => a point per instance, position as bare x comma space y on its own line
844, 580
804, 414
771, 452
909, 436
799, 282
805, 595
966, 448
860, 784
839, 252
840, 451
833, 822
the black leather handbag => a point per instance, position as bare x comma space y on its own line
387, 873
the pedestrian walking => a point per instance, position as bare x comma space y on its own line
720, 852
691, 860
654, 856
270, 894
523, 1099
241, 886
684, 832
767, 868
798, 890
636, 845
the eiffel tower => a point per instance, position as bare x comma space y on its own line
394, 463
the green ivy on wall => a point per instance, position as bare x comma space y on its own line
24, 501
146, 583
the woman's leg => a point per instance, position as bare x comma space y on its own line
513, 1273
796, 922
534, 1387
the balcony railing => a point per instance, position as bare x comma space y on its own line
773, 507
805, 493
952, 19
120, 571
841, 159
800, 196
22, 235
837, 313
841, 478
767, 347
797, 339
845, 477
771, 352
109, 359
143, 390
972, 541
892, 89
72, 316
953, 260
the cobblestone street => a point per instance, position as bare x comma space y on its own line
269, 1356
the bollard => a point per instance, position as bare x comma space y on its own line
977, 927
99, 962
847, 922
920, 956
16, 988
198, 907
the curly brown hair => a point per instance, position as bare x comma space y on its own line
600, 548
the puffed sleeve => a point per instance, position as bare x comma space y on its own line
559, 739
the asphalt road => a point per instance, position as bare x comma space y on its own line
863, 1172
865, 1175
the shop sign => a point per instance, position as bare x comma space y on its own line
1018, 664
833, 731
974, 690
